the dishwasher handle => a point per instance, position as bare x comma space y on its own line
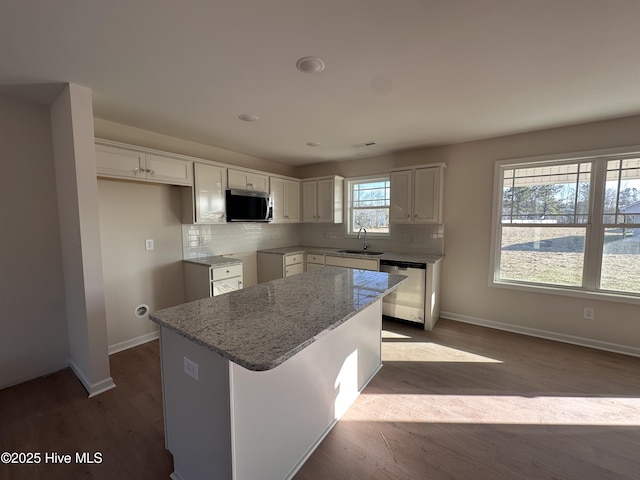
402, 265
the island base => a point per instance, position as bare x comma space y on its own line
234, 423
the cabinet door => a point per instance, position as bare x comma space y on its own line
292, 201
401, 196
209, 190
168, 170
237, 179
427, 202
259, 183
117, 162
350, 262
278, 196
248, 181
314, 266
226, 286
309, 196
290, 270
325, 202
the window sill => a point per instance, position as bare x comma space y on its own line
568, 292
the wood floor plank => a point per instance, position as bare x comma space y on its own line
462, 402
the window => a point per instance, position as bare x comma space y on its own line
569, 224
368, 205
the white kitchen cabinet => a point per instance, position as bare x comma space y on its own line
416, 195
351, 262
286, 199
116, 161
272, 266
246, 180
322, 200
202, 280
314, 261
205, 202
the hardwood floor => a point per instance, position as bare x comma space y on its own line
125, 424
461, 402
466, 402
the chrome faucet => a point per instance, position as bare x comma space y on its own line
366, 245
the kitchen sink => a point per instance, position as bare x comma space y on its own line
360, 252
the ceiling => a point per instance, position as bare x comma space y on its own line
403, 74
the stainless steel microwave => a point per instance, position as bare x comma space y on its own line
248, 206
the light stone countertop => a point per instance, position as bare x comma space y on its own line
214, 261
397, 256
262, 326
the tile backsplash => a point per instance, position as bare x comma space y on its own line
404, 238
204, 240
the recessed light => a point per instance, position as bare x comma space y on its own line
248, 118
310, 65
313, 144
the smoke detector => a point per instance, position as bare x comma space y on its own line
310, 65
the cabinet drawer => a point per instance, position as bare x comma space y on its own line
220, 273
293, 269
293, 259
314, 258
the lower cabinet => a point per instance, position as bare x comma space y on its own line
202, 280
272, 266
349, 262
314, 261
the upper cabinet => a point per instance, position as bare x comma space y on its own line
206, 202
118, 161
322, 200
286, 199
416, 195
247, 180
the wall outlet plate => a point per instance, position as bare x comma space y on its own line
148, 244
589, 313
191, 368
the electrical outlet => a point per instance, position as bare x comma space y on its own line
589, 313
148, 244
191, 368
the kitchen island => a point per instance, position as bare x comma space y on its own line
253, 380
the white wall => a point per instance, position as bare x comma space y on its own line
465, 294
77, 197
468, 201
130, 213
33, 341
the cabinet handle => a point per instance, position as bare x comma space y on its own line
149, 171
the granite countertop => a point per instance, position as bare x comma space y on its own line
262, 326
397, 256
215, 261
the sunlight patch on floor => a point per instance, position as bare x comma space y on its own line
496, 409
388, 334
429, 352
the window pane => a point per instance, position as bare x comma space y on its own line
621, 260
622, 192
547, 194
375, 220
549, 255
369, 205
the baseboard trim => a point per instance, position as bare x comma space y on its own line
134, 342
92, 389
534, 332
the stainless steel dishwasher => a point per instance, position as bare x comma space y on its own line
407, 301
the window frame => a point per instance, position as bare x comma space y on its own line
348, 204
595, 226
